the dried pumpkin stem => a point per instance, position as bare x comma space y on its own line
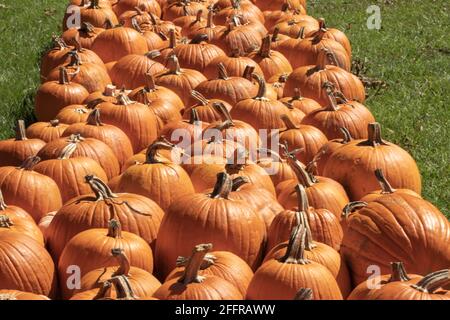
21, 131
198, 16
433, 281
199, 97
153, 54
239, 182
101, 189
210, 19
190, 274
30, 162
123, 100
262, 89
114, 229
208, 261
63, 76
248, 72
347, 137
351, 207
152, 151
123, 288
398, 272
94, 4
386, 187
223, 187
264, 51
3, 205
332, 103
172, 39
304, 294
222, 71
124, 263
86, 28
173, 65
54, 122
94, 118
150, 85
194, 117
374, 138
295, 253
220, 107
303, 177
288, 123
303, 217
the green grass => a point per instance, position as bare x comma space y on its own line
411, 54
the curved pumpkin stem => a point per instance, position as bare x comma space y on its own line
262, 90
150, 85
222, 72
208, 261
353, 206
172, 39
173, 65
374, 135
190, 274
123, 100
101, 189
264, 51
220, 107
67, 151
199, 97
398, 272
30, 162
153, 54
124, 262
86, 28
295, 253
303, 177
303, 216
21, 131
223, 186
194, 118
347, 137
159, 144
386, 187
123, 288
332, 103
94, 118
3, 205
210, 19
54, 123
199, 38
114, 229
248, 72
239, 182
288, 123
304, 294
433, 281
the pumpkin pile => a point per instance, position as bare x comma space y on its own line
210, 149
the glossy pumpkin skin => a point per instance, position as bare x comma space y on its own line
13, 152
91, 249
310, 80
151, 6
225, 265
34, 192
46, 131
73, 114
396, 227
234, 65
353, 165
334, 34
26, 265
85, 35
20, 295
305, 105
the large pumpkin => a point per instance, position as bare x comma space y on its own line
201, 217
353, 165
396, 227
136, 214
235, 65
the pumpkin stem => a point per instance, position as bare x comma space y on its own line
150, 85
123, 100
173, 65
67, 151
303, 217
94, 118
92, 104
433, 281
135, 25
75, 59
123, 288
199, 38
239, 182
332, 103
190, 274
222, 71
331, 58
318, 36
94, 5
223, 186
110, 90
108, 24
86, 28
54, 123
261, 95
322, 24
347, 137
288, 123
159, 144
20, 131
353, 206
59, 43
220, 107
210, 20
264, 51
386, 187
198, 16
101, 189
208, 261
275, 34
270, 152
63, 76
172, 39
199, 97
30, 162
193, 116
374, 135
124, 262
306, 179
114, 229
153, 54
5, 221
398, 272
295, 253
304, 294
3, 205
248, 72
301, 33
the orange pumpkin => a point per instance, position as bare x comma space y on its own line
297, 101
20, 295
150, 6
334, 34
46, 131
96, 13
74, 113
84, 35
234, 65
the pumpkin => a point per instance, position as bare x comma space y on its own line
150, 6
188, 23
44, 223
310, 81
124, 40
156, 174
278, 38
325, 226
26, 265
15, 219
93, 77
86, 147
275, 4
95, 13
182, 8
298, 24
14, 151
68, 172
246, 10
191, 285
161, 98
85, 35
205, 108
222, 264
297, 101
181, 81
364, 156
277, 83
279, 279
91, 249
142, 281
135, 17
46, 131
199, 216
235, 65
212, 30
167, 49
135, 119
320, 159
155, 39
364, 291
386, 188
110, 135
20, 295
305, 137
318, 252
136, 214
334, 34
110, 94
396, 226
347, 114
260, 112
74, 113
52, 96
271, 62
275, 165
282, 13
130, 71
35, 193
229, 89
322, 192
197, 54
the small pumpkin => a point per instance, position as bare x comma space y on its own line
96, 13
247, 10
74, 113
150, 6
212, 30
297, 24
276, 166
274, 5
85, 35
16, 150
205, 108
191, 285
297, 101
189, 23
181, 8
335, 34
46, 131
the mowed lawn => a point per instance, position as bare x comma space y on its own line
409, 56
